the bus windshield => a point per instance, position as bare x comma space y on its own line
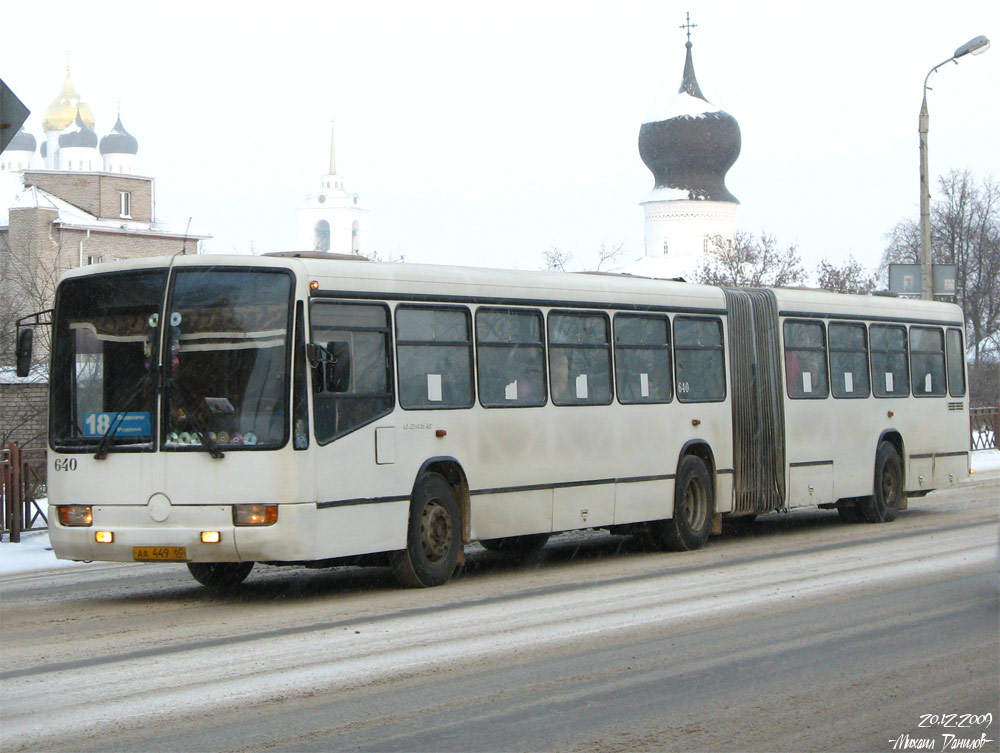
224, 360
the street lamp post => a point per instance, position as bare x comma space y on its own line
975, 46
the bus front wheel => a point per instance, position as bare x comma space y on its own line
884, 504
220, 575
433, 537
694, 505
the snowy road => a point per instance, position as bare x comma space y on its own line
807, 634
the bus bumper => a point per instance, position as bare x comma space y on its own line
135, 534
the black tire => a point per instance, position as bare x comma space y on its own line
516, 546
884, 504
849, 512
433, 537
220, 575
694, 506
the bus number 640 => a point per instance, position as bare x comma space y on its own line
65, 464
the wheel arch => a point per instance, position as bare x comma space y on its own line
702, 450
454, 474
893, 437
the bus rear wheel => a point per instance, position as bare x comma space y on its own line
516, 546
433, 537
694, 505
220, 575
884, 504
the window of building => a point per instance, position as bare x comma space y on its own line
352, 385
956, 362
699, 359
642, 359
95, 259
927, 361
511, 356
434, 351
125, 205
805, 360
579, 358
890, 370
849, 360
321, 236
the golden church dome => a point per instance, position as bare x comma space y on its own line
63, 109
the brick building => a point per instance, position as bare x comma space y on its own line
85, 207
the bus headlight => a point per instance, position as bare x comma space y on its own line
255, 515
75, 515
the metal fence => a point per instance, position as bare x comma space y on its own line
984, 425
22, 482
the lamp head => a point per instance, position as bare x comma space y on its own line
976, 46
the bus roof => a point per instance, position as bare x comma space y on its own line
346, 277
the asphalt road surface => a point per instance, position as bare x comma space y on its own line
799, 634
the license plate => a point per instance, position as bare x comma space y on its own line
160, 553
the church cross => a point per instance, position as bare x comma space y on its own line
688, 25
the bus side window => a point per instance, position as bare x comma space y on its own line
849, 360
511, 357
927, 361
580, 358
699, 359
805, 360
890, 371
956, 363
356, 387
642, 359
434, 350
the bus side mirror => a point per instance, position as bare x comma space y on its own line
25, 336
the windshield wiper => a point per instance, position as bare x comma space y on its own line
104, 445
208, 443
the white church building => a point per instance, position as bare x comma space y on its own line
332, 219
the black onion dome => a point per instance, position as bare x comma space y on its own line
78, 135
119, 141
694, 146
22, 142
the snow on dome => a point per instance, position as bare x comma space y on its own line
78, 135
119, 141
683, 105
22, 142
690, 149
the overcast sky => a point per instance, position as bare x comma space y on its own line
485, 134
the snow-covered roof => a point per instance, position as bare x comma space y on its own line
683, 105
71, 216
37, 375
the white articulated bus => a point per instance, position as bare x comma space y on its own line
298, 408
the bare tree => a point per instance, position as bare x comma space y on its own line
555, 260
965, 231
609, 255
748, 261
851, 277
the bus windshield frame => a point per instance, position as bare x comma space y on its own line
217, 375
